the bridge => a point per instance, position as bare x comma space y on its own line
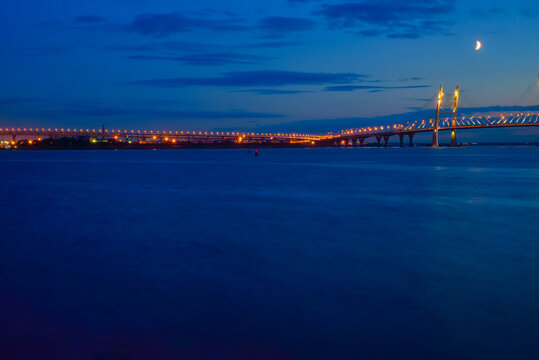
158, 136
492, 120
350, 137
445, 119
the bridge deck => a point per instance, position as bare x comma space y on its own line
500, 120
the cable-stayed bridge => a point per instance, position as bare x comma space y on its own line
446, 119
493, 120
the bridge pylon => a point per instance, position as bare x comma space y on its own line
446, 104
436, 124
454, 119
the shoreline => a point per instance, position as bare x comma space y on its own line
93, 147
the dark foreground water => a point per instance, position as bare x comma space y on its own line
296, 254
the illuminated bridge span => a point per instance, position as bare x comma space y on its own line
344, 138
483, 121
159, 136
446, 119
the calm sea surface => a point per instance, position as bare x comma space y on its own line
295, 254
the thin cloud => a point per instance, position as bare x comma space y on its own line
257, 78
300, 1
486, 13
371, 87
277, 26
163, 25
207, 59
89, 19
414, 78
272, 44
410, 19
274, 91
167, 46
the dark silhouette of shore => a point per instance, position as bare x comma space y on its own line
69, 143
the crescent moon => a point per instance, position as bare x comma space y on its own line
478, 45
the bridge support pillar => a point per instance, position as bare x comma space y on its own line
453, 138
435, 138
378, 140
411, 139
361, 141
14, 137
401, 139
386, 140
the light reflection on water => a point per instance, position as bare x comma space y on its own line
315, 253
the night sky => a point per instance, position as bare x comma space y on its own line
211, 64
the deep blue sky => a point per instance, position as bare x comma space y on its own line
211, 64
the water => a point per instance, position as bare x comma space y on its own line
295, 254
